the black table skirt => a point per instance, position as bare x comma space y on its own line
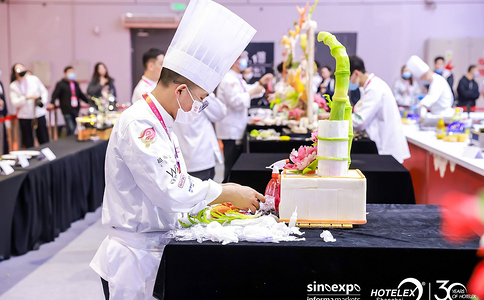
387, 180
43, 200
362, 146
398, 242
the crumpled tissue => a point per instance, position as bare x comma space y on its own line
264, 229
327, 236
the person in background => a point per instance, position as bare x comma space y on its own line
235, 93
198, 142
377, 112
29, 97
152, 63
406, 90
3, 113
68, 92
327, 85
439, 68
439, 98
317, 79
101, 83
468, 89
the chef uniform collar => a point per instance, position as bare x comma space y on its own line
164, 114
209, 39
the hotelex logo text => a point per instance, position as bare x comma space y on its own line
409, 288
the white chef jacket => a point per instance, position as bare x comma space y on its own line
233, 91
197, 140
144, 86
377, 113
143, 198
19, 90
439, 98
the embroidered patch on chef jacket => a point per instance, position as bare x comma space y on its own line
191, 184
148, 136
181, 183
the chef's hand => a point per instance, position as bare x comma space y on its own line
266, 78
242, 197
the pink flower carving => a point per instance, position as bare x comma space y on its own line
302, 158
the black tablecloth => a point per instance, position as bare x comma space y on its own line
398, 242
387, 180
362, 146
43, 199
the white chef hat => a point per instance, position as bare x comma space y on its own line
417, 66
207, 42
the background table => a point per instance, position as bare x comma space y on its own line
43, 199
361, 146
387, 180
398, 242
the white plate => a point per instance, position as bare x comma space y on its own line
14, 156
10, 162
31, 153
9, 156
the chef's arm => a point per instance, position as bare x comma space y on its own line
154, 169
216, 110
432, 96
232, 97
366, 109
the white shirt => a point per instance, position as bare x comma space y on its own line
19, 90
377, 113
233, 92
197, 140
406, 94
144, 86
439, 98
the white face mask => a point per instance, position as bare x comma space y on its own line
185, 117
248, 76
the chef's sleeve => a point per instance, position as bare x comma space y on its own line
150, 156
433, 95
366, 109
216, 110
232, 95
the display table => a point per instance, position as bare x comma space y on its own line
437, 167
43, 199
387, 180
398, 242
362, 146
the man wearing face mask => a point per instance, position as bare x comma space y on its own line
152, 63
377, 112
68, 92
468, 89
439, 68
439, 98
147, 184
236, 94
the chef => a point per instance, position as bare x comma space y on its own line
236, 94
152, 63
439, 98
377, 112
147, 184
